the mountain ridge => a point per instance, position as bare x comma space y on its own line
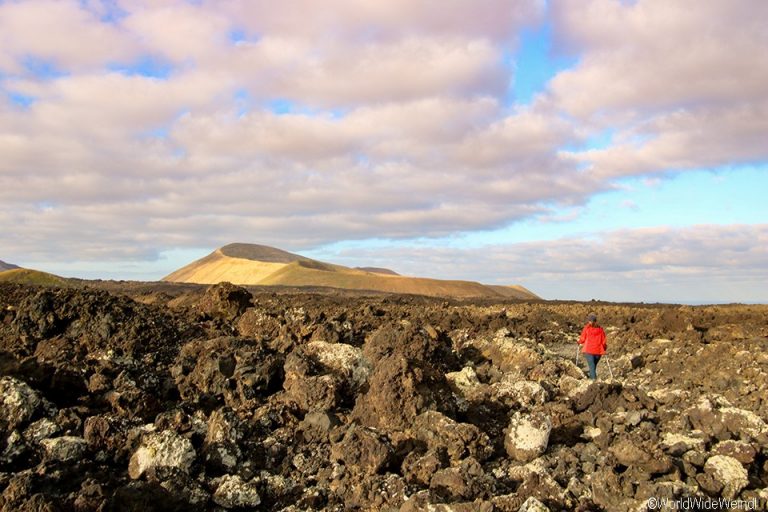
254, 264
7, 266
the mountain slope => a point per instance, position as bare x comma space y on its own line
7, 266
248, 264
35, 277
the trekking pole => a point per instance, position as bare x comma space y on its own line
609, 367
576, 359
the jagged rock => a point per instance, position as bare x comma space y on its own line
164, 449
397, 393
464, 382
722, 421
678, 444
461, 482
235, 371
319, 374
363, 450
259, 324
225, 300
393, 397
41, 429
509, 355
518, 393
221, 447
533, 505
527, 436
65, 448
15, 447
317, 425
629, 451
458, 440
419, 468
739, 450
728, 473
233, 492
18, 403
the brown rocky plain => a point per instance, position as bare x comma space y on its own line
118, 396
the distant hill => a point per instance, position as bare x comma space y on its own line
377, 270
28, 276
7, 266
250, 264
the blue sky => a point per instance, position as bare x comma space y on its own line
506, 142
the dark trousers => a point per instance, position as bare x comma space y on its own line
592, 361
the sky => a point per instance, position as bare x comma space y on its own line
591, 149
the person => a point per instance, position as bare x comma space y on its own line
593, 344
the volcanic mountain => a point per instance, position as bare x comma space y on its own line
250, 264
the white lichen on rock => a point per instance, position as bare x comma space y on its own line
233, 492
64, 448
729, 473
678, 444
533, 505
528, 436
514, 391
465, 382
161, 449
18, 402
342, 359
40, 429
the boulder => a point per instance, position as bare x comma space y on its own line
363, 450
739, 450
226, 369
18, 403
533, 505
461, 482
728, 473
259, 324
221, 447
464, 382
65, 448
457, 440
516, 392
164, 449
224, 300
397, 393
40, 429
234, 492
528, 436
343, 360
717, 418
678, 444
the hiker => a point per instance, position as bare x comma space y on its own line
592, 340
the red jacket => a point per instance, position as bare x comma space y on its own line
593, 339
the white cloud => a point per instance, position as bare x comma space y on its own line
682, 84
693, 264
58, 32
657, 55
398, 122
368, 20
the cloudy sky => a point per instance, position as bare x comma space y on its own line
601, 149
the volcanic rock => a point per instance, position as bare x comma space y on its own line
128, 396
225, 301
233, 492
457, 440
65, 448
160, 450
18, 403
728, 474
528, 436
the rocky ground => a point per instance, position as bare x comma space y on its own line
231, 399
